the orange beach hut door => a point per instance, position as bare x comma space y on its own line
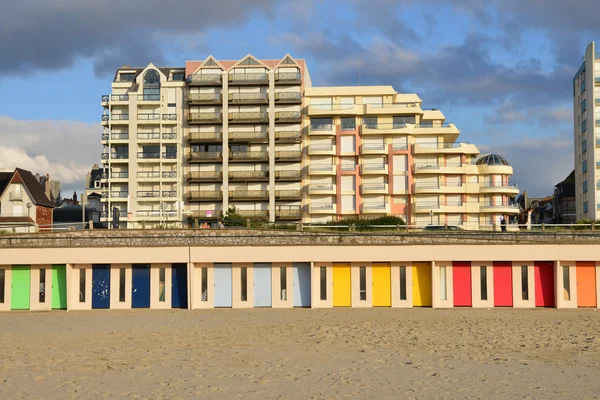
421, 285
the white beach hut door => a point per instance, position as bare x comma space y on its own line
262, 285
301, 283
222, 292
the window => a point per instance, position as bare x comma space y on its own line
204, 285
151, 77
348, 123
566, 283
244, 283
585, 206
321, 124
283, 282
82, 285
584, 166
583, 105
443, 286
584, 146
42, 288
178, 76
323, 283
583, 85
584, 126
2, 283
151, 93
524, 283
585, 187
171, 151
363, 283
483, 282
127, 77
161, 284
370, 122
400, 121
122, 285
402, 283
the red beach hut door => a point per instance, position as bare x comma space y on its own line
461, 280
503, 291
544, 284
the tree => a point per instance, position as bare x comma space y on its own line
232, 218
58, 199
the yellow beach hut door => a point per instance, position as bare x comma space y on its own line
342, 295
421, 285
382, 285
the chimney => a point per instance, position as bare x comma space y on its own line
75, 197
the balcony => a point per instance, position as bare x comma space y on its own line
245, 156
449, 188
374, 169
322, 130
321, 188
249, 194
15, 196
209, 157
501, 208
254, 214
148, 98
249, 117
104, 138
155, 214
168, 194
116, 98
148, 175
169, 175
237, 79
206, 214
205, 98
148, 194
249, 98
511, 188
169, 156
249, 137
392, 108
288, 78
374, 188
205, 137
328, 169
204, 80
116, 157
288, 137
205, 176
205, 118
374, 208
148, 137
321, 208
426, 168
148, 156
124, 136
374, 148
105, 99
288, 176
205, 195
437, 129
288, 98
106, 216
121, 175
321, 150
169, 118
169, 136
151, 118
288, 195
427, 206
445, 148
118, 195
288, 155
288, 116
105, 119
289, 213
249, 176
333, 109
384, 129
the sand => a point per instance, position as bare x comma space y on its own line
301, 354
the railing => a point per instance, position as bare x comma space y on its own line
348, 127
247, 194
118, 156
321, 127
331, 107
105, 136
248, 175
320, 147
148, 174
288, 212
119, 97
248, 135
169, 193
285, 135
105, 98
169, 136
427, 166
148, 116
433, 125
148, 193
200, 214
288, 96
321, 187
213, 155
105, 156
288, 175
385, 126
321, 168
373, 167
425, 185
321, 207
156, 213
118, 117
119, 193
215, 136
288, 194
204, 78
204, 116
169, 155
373, 186
400, 146
288, 154
205, 175
106, 214
241, 78
390, 105
169, 174
431, 205
510, 185
373, 146
249, 116
148, 97
119, 175
249, 155
169, 117
249, 97
205, 194
288, 76
253, 213
205, 97
148, 136
119, 136
348, 167
288, 115
374, 206
15, 196
435, 145
144, 155
501, 205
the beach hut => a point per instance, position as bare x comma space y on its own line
222, 284
140, 286
544, 284
263, 290
586, 284
503, 287
382, 284
21, 287
461, 280
301, 279
100, 286
421, 284
179, 286
342, 285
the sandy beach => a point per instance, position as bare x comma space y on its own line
301, 354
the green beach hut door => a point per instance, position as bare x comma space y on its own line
20, 292
59, 287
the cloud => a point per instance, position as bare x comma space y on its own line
542, 115
64, 149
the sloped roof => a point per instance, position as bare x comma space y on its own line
5, 178
34, 188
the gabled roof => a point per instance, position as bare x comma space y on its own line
5, 178
31, 185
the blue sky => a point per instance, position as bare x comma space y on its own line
500, 70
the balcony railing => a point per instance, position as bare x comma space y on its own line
146, 155
205, 195
248, 136
320, 147
293, 77
148, 97
400, 146
208, 98
248, 175
148, 174
321, 168
249, 155
206, 214
115, 97
106, 214
372, 187
288, 175
148, 136
288, 155
510, 185
385, 126
119, 194
148, 193
430, 205
119, 136
205, 176
288, 97
169, 136
15, 196
169, 174
204, 79
427, 166
156, 213
249, 116
118, 117
249, 194
115, 156
373, 167
321, 207
501, 205
206, 156
169, 193
119, 175
148, 117
169, 155
374, 206
348, 167
331, 107
320, 187
169, 117
374, 146
288, 116
390, 105
204, 117
241, 78
258, 214
288, 194
205, 137
288, 136
289, 212
321, 127
258, 97
105, 136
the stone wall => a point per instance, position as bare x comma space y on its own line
43, 217
242, 237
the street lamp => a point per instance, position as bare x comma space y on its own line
28, 217
431, 216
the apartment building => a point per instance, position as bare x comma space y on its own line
373, 152
587, 157
185, 144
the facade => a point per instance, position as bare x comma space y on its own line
185, 144
24, 206
564, 201
563, 275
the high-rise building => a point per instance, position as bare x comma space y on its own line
587, 157
188, 143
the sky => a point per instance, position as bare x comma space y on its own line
501, 70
